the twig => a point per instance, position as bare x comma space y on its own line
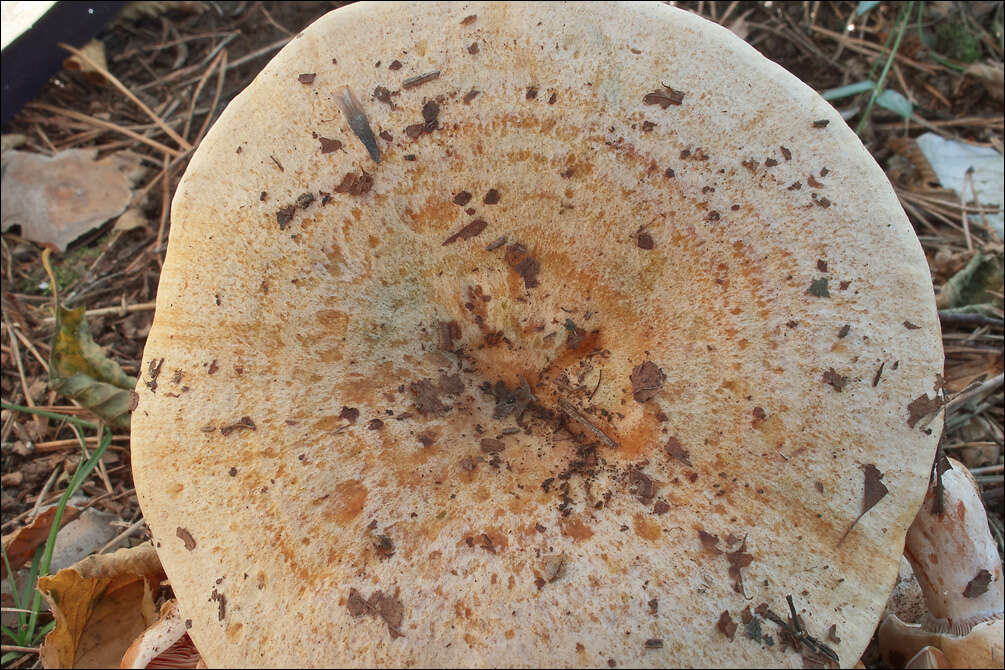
989, 386
129, 94
17, 359
165, 202
119, 310
52, 415
123, 535
244, 59
571, 410
980, 121
58, 445
106, 125
45, 489
31, 347
867, 48
275, 24
5, 648
198, 90
216, 98
969, 319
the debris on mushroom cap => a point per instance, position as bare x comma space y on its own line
727, 421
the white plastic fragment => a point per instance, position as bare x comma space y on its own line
951, 160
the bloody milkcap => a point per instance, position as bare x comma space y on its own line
622, 354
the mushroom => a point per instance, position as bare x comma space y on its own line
960, 572
165, 644
620, 291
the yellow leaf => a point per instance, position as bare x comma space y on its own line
100, 604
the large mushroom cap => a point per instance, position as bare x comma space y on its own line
625, 333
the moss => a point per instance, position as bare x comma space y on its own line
67, 270
955, 40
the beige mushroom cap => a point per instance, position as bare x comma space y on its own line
374, 432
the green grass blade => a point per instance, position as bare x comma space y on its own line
82, 472
13, 588
850, 89
52, 415
903, 19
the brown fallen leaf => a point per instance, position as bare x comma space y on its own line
990, 74
95, 53
21, 544
57, 199
101, 605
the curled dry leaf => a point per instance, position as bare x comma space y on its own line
57, 199
101, 605
79, 369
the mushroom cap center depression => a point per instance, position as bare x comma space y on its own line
602, 262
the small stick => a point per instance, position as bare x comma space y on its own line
412, 82
570, 409
129, 94
198, 90
20, 367
165, 202
967, 179
964, 319
45, 490
107, 126
240, 61
357, 120
31, 348
123, 535
15, 648
101, 311
58, 445
216, 98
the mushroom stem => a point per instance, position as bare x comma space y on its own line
954, 556
957, 566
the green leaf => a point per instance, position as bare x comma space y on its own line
80, 370
895, 102
850, 89
864, 6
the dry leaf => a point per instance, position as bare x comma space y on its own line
130, 219
101, 605
95, 51
57, 199
991, 74
874, 491
22, 543
79, 369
